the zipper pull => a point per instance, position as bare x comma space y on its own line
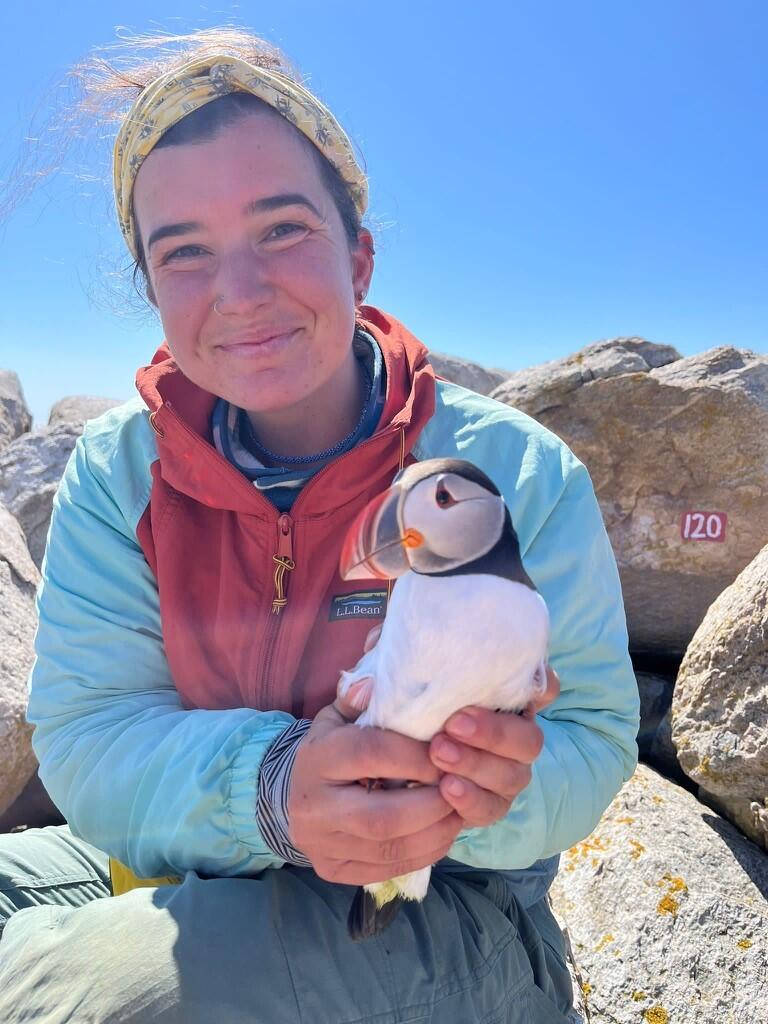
283, 561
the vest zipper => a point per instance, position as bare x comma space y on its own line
284, 563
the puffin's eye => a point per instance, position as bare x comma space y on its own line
443, 497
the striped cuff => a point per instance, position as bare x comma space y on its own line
272, 801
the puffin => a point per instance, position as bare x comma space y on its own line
464, 625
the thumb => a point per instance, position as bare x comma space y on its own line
356, 699
373, 637
550, 694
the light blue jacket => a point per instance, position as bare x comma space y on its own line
164, 789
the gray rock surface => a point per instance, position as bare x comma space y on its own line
15, 417
720, 704
667, 909
33, 808
655, 700
654, 739
30, 470
468, 374
79, 408
662, 437
548, 385
18, 581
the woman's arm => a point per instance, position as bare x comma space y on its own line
589, 731
161, 788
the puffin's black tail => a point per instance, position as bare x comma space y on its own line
366, 919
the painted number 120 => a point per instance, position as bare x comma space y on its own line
703, 526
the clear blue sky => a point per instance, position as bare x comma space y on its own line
542, 175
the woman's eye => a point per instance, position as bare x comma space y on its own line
281, 231
183, 250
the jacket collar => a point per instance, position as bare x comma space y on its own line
180, 413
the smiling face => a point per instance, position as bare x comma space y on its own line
245, 221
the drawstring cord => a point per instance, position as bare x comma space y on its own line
390, 583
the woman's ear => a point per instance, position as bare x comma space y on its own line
362, 264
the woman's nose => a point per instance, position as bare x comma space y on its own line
242, 284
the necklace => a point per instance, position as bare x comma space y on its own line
303, 459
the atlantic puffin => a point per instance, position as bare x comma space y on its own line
464, 624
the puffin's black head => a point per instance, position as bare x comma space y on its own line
440, 517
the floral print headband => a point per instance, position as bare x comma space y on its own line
170, 97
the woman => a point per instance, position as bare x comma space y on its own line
191, 629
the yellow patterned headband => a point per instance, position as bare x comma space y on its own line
172, 96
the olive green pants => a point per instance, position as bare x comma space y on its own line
263, 950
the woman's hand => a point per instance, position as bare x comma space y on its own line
489, 764
354, 836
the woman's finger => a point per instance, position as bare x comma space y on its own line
352, 872
352, 753
344, 846
372, 638
504, 733
550, 694
500, 775
356, 699
478, 807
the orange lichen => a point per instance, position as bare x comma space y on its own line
581, 850
657, 799
625, 821
744, 943
639, 996
668, 905
586, 988
604, 942
656, 1015
675, 883
637, 848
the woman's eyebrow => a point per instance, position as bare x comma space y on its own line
275, 202
255, 206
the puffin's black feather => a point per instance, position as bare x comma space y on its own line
417, 471
365, 919
502, 560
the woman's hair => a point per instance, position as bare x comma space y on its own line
112, 87
110, 79
207, 121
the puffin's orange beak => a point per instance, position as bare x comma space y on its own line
375, 547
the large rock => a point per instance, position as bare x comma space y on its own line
15, 418
545, 386
18, 582
654, 739
467, 374
667, 909
655, 699
720, 703
79, 408
30, 470
664, 437
33, 808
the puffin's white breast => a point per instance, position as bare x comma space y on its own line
451, 641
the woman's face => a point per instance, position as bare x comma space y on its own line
245, 221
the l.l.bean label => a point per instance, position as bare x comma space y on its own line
703, 526
363, 604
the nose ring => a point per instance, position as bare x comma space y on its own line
215, 310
